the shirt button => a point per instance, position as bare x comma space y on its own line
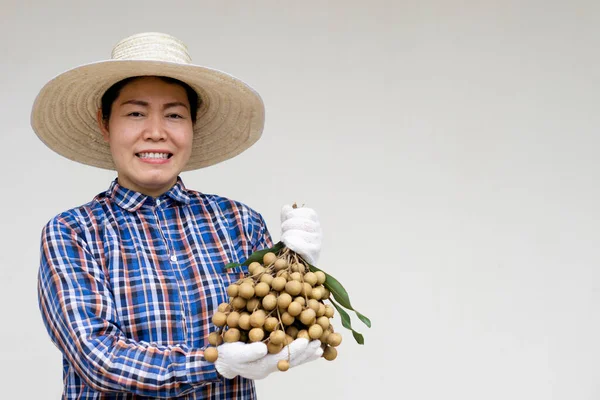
158, 202
173, 258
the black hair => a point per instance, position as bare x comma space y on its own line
109, 97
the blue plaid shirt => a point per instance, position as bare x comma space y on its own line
127, 287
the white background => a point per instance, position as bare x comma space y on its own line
449, 147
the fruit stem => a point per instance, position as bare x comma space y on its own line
283, 329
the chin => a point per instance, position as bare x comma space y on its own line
156, 182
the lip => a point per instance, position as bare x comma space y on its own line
154, 160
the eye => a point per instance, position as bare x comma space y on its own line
175, 116
135, 114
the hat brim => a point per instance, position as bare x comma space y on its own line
230, 118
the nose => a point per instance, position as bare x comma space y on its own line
155, 129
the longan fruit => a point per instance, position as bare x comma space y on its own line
271, 324
262, 289
283, 365
252, 304
211, 354
269, 302
219, 319
224, 307
321, 310
334, 339
233, 289
329, 311
293, 287
278, 283
316, 293
313, 305
292, 331
300, 300
303, 334
296, 276
280, 264
246, 290
215, 339
298, 267
324, 336
307, 317
257, 319
306, 289
244, 321
315, 331
232, 319
294, 309
330, 353
324, 322
310, 278
252, 267
231, 335
325, 293
287, 319
267, 278
283, 274
277, 337
269, 258
321, 277
238, 303
283, 301
259, 270
256, 334
273, 348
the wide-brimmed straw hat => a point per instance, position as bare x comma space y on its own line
230, 117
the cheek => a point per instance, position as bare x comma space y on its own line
120, 141
185, 139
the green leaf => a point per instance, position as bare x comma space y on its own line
346, 323
364, 319
232, 265
257, 256
340, 294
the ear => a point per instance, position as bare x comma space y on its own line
103, 127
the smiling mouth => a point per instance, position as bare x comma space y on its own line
154, 156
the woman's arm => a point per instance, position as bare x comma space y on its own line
79, 313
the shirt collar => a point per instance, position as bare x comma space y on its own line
132, 201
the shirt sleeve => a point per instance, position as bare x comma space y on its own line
79, 313
261, 238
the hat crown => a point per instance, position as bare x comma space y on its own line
153, 46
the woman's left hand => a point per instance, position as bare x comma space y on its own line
301, 231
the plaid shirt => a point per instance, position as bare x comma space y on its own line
127, 287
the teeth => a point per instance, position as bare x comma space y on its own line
154, 155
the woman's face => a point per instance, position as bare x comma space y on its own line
150, 134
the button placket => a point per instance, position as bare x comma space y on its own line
173, 258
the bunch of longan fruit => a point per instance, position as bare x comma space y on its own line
279, 300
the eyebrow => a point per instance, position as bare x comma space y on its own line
146, 104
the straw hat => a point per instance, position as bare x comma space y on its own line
230, 118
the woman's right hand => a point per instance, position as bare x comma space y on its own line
252, 360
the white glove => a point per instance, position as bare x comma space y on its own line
301, 231
252, 361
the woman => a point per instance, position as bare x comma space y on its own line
129, 281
